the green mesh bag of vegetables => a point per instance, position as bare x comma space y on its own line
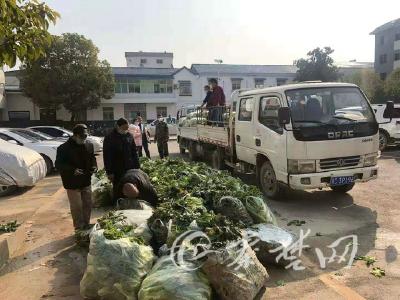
234, 209
115, 267
168, 281
259, 211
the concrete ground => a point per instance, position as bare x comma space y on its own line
48, 265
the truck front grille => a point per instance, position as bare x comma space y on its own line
339, 162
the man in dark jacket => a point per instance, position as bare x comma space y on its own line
135, 184
76, 163
119, 153
217, 102
162, 136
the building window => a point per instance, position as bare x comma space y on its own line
236, 83
159, 61
383, 76
133, 110
185, 88
383, 59
397, 56
382, 39
143, 61
281, 81
163, 86
19, 115
259, 83
268, 114
397, 37
162, 110
108, 113
246, 109
133, 86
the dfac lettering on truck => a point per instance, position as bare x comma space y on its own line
301, 136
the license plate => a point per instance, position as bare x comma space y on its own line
342, 180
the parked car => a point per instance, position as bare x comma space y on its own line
389, 134
20, 167
47, 149
59, 132
171, 122
39, 135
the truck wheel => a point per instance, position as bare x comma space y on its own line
268, 182
342, 188
192, 151
182, 150
7, 190
383, 140
217, 159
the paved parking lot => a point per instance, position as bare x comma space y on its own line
50, 266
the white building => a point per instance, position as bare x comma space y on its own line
150, 85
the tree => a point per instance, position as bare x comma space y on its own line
23, 30
392, 86
318, 66
370, 83
70, 74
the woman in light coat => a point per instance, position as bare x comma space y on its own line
137, 136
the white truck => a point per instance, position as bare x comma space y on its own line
389, 132
302, 136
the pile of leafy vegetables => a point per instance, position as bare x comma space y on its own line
190, 192
115, 227
101, 189
9, 227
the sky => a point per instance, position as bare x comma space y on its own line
236, 31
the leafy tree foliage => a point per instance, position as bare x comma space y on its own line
370, 83
70, 74
318, 66
23, 30
392, 86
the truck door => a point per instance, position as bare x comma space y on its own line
269, 135
244, 131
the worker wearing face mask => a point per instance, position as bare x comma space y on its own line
119, 153
76, 163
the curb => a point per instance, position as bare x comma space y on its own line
11, 242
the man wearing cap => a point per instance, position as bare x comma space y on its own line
162, 136
119, 153
76, 163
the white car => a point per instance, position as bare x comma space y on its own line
172, 128
47, 149
19, 167
389, 134
59, 132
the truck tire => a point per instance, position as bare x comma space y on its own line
268, 182
342, 188
182, 150
218, 159
192, 151
7, 190
383, 140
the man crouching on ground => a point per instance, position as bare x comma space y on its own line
76, 163
135, 184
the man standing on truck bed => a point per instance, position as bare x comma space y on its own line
162, 136
119, 153
217, 102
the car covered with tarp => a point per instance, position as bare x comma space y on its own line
19, 167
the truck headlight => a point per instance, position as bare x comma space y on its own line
370, 159
301, 166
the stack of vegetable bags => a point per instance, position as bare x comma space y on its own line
117, 262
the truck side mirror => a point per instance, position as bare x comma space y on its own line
389, 110
284, 115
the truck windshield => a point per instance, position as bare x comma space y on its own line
330, 105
